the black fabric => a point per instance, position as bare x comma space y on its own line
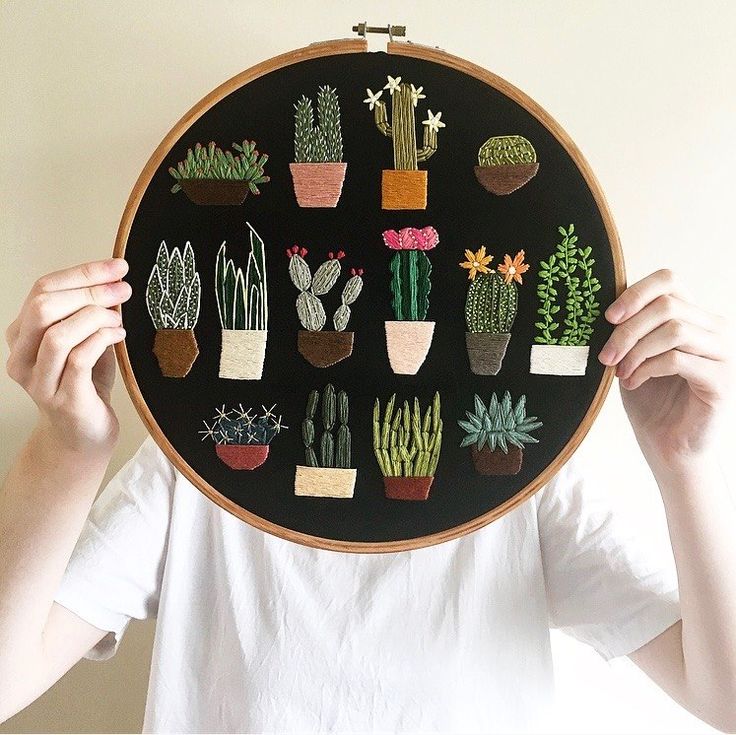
465, 215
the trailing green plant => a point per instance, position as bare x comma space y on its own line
506, 150
320, 143
240, 426
569, 268
173, 289
242, 300
211, 162
499, 424
335, 441
309, 307
406, 442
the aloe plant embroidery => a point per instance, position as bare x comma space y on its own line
404, 186
323, 348
242, 436
209, 175
409, 337
497, 433
407, 444
173, 300
490, 308
327, 471
242, 304
506, 163
318, 170
568, 270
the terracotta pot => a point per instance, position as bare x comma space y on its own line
506, 178
318, 184
242, 456
215, 191
407, 488
324, 482
403, 189
176, 350
558, 360
242, 354
407, 344
486, 351
497, 462
323, 349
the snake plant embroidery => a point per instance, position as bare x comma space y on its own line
404, 186
409, 337
327, 472
506, 163
209, 175
497, 433
242, 436
323, 348
407, 444
567, 274
173, 299
318, 170
242, 304
490, 308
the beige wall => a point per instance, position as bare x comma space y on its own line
90, 88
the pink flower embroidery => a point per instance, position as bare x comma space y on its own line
411, 238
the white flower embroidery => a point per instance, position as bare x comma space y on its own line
433, 122
393, 84
371, 99
416, 94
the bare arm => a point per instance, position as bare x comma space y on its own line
675, 367
60, 352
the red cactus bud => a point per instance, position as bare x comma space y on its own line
352, 271
303, 252
340, 254
360, 271
295, 249
288, 252
330, 255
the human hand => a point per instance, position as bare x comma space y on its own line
675, 369
61, 351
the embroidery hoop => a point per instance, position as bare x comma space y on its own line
399, 49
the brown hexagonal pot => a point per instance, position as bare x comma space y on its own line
176, 350
323, 349
497, 462
506, 178
215, 191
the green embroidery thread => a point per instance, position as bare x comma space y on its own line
506, 150
334, 450
320, 143
173, 289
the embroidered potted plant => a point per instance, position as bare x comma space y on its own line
242, 438
323, 348
407, 446
490, 308
242, 303
568, 274
318, 170
497, 433
409, 337
209, 175
172, 298
404, 186
506, 163
327, 472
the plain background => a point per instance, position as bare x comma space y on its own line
644, 88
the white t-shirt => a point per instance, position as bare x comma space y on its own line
259, 634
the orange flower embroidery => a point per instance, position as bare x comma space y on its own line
477, 262
513, 269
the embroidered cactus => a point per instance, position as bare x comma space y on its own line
332, 453
173, 290
309, 308
243, 426
402, 129
319, 143
506, 149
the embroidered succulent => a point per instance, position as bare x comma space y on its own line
211, 162
173, 289
334, 450
506, 149
243, 426
499, 424
309, 307
320, 143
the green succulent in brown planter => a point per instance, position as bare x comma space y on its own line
497, 433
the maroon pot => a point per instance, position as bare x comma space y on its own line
407, 488
242, 456
497, 462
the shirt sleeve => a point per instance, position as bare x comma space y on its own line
115, 571
608, 584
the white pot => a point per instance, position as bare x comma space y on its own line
243, 352
324, 482
408, 343
558, 360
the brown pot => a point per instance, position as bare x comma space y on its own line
242, 456
407, 488
318, 184
215, 191
323, 349
497, 462
486, 351
403, 189
507, 177
176, 350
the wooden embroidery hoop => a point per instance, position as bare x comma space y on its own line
331, 48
